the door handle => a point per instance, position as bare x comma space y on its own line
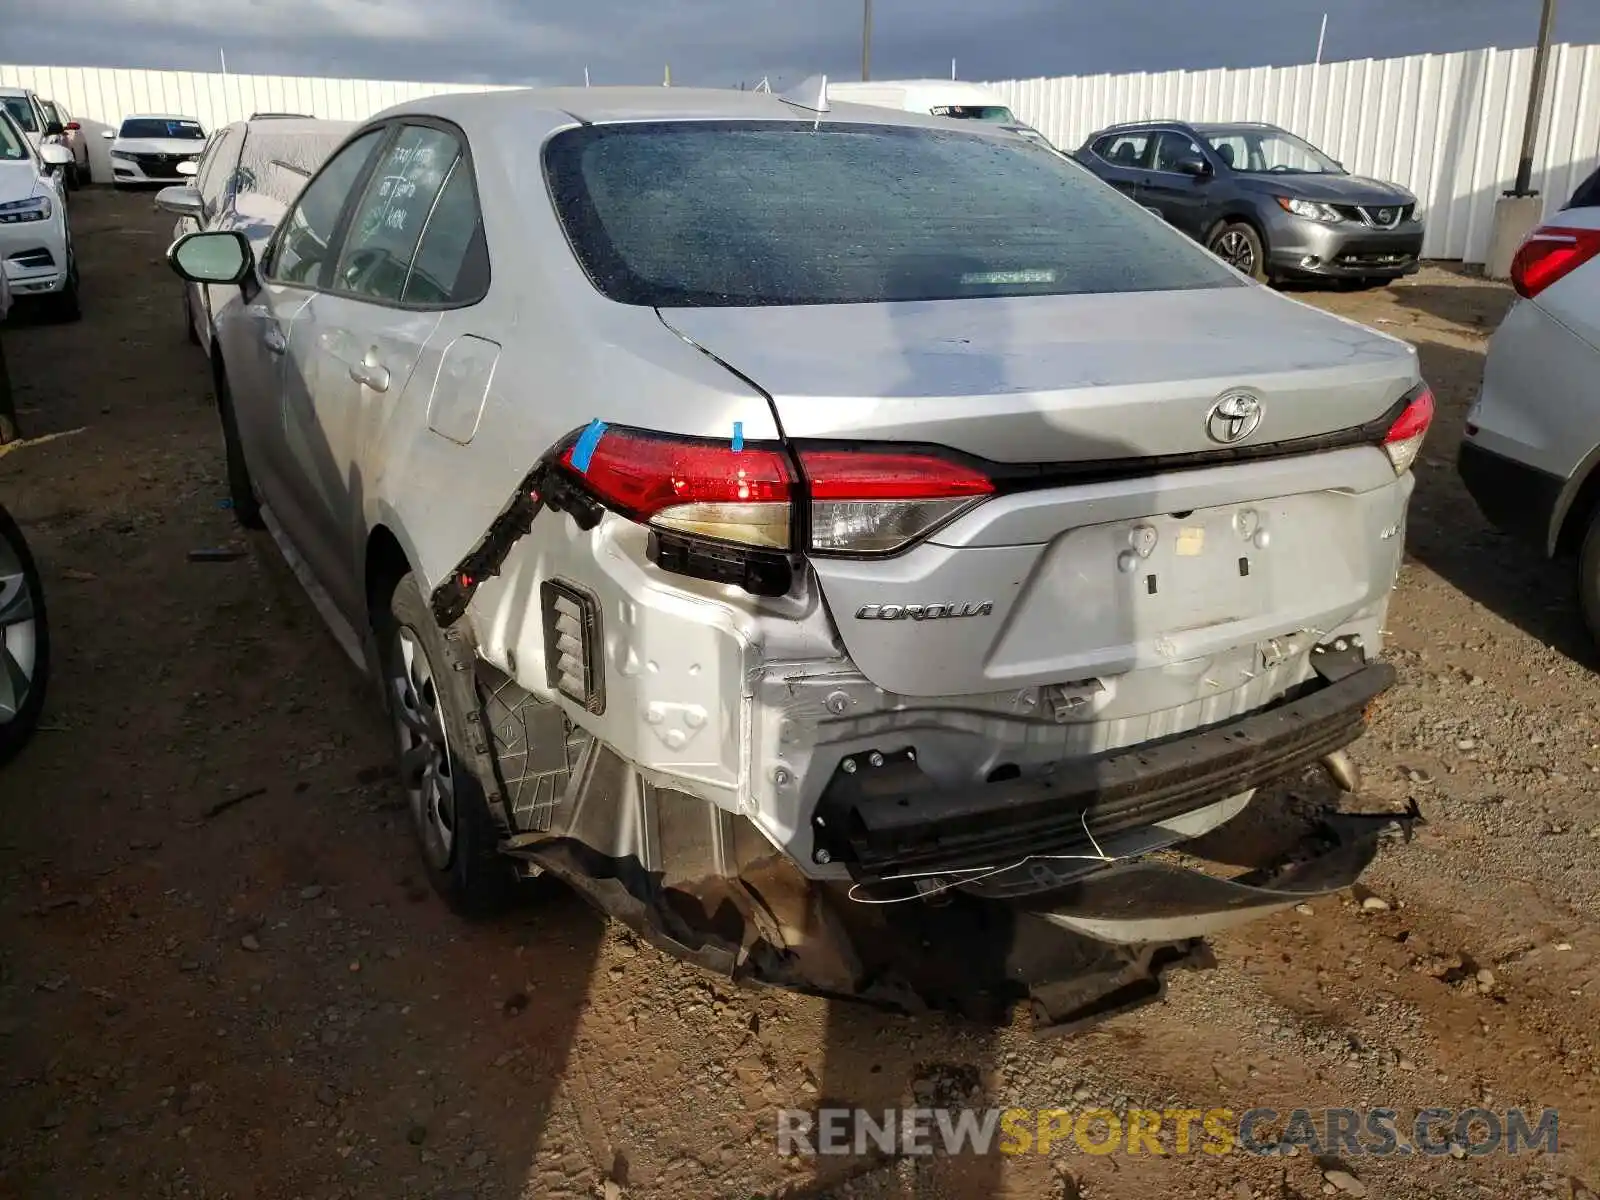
369, 372
274, 341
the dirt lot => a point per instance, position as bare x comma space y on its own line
263, 999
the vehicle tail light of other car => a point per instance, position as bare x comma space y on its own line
862, 502
1404, 440
72, 126
1550, 253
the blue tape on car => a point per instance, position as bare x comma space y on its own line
738, 436
584, 450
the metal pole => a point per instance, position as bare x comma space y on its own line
866, 40
1530, 127
1322, 37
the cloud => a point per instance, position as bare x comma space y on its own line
721, 42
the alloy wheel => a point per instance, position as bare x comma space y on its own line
425, 767
19, 634
1234, 249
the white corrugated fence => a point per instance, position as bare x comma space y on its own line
100, 97
1447, 126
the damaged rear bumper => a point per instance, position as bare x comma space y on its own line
888, 823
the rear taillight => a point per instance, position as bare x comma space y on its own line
694, 487
1549, 253
1404, 440
876, 502
862, 501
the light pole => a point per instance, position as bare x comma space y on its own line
1530, 127
866, 40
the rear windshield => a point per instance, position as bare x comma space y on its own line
151, 127
697, 214
22, 112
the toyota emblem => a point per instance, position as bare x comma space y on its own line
1233, 418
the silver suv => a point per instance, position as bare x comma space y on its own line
818, 533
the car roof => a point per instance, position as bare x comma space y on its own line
609, 105
1214, 126
8, 90
295, 126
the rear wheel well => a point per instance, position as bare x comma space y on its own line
386, 566
1237, 218
1575, 525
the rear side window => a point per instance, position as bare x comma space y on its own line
388, 222
1125, 149
452, 261
758, 213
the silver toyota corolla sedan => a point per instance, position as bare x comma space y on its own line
818, 533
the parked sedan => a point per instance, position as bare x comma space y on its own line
36, 251
740, 538
1531, 454
249, 174
1263, 200
148, 149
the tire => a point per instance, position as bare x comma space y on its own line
66, 306
188, 318
241, 488
1589, 577
24, 641
428, 684
1239, 245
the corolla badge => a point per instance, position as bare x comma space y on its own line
1233, 418
923, 612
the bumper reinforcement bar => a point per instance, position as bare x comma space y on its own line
889, 821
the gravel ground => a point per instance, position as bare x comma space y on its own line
263, 999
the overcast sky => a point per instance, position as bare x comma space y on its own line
721, 42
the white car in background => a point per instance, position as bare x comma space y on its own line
35, 236
147, 148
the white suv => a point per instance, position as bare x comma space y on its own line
35, 238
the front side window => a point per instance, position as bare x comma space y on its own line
1269, 152
1173, 148
163, 128
217, 165
766, 213
21, 112
388, 222
301, 254
52, 115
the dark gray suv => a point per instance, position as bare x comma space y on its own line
1267, 202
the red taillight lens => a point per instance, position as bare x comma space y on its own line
701, 488
1551, 252
1404, 440
862, 501
877, 502
72, 126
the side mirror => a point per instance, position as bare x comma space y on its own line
218, 256
54, 129
181, 200
188, 167
55, 154
110, 135
1194, 165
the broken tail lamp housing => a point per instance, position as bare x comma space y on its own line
736, 513
572, 644
1403, 442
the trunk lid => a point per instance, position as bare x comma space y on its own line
1057, 378
1036, 588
